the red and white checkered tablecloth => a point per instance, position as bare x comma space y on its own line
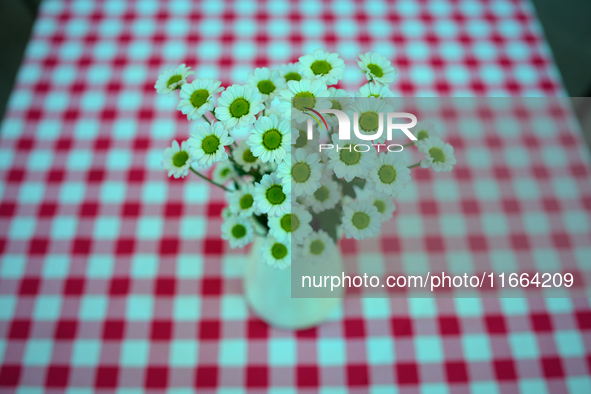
113, 276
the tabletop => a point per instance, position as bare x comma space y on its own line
113, 276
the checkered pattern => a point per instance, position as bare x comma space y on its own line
113, 276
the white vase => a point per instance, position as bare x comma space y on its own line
268, 292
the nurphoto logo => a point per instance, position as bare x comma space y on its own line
344, 129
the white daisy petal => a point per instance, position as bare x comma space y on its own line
376, 68
244, 157
360, 220
384, 204
238, 231
223, 172
238, 106
172, 79
324, 66
295, 225
318, 247
438, 154
277, 254
270, 198
241, 201
177, 160
197, 97
307, 94
370, 112
301, 175
390, 174
374, 90
290, 72
340, 100
207, 144
325, 197
270, 139
267, 82
424, 129
347, 162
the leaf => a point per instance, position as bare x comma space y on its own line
348, 187
328, 221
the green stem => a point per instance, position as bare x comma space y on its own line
207, 120
209, 180
415, 165
407, 145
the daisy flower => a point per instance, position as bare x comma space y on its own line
267, 82
238, 231
242, 200
269, 196
371, 113
273, 108
197, 97
303, 229
423, 130
295, 225
340, 100
226, 213
325, 66
318, 247
374, 90
376, 68
384, 204
306, 94
325, 197
439, 155
302, 176
290, 72
238, 106
207, 144
223, 172
277, 254
299, 138
390, 174
172, 79
270, 138
244, 157
347, 162
177, 160
360, 220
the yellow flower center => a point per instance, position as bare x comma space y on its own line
437, 155
320, 67
292, 76
272, 139
275, 195
199, 97
278, 251
387, 174
300, 172
304, 100
180, 158
316, 247
239, 108
376, 70
238, 231
210, 144
174, 79
266, 87
360, 220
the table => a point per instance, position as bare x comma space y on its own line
114, 277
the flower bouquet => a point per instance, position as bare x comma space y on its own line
281, 186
